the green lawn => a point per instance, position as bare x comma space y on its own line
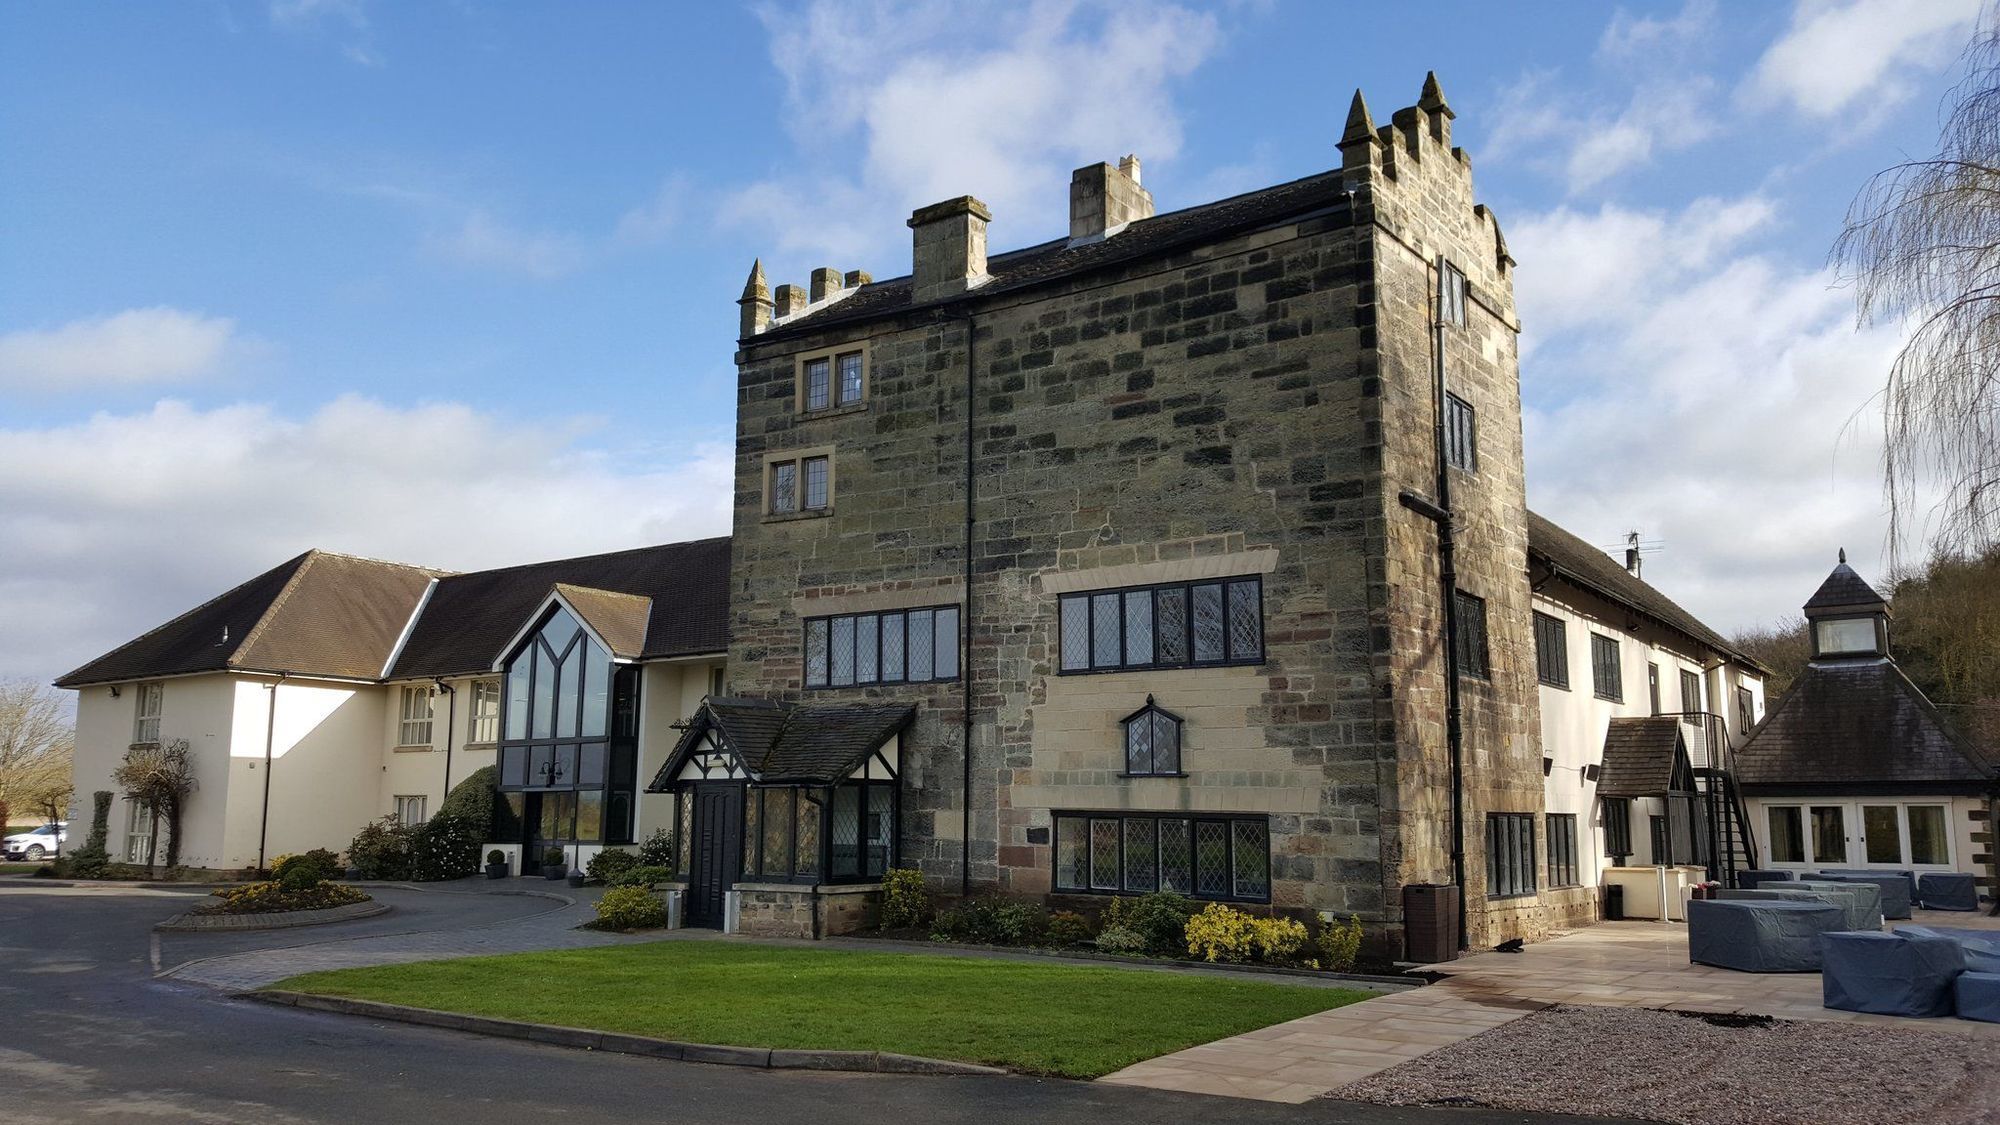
1043, 1018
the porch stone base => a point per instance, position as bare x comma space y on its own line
799, 911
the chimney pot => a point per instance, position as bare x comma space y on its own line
1103, 199
948, 248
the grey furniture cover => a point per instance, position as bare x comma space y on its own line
1897, 888
1893, 974
1976, 996
1952, 890
1754, 878
1859, 908
1868, 917
1982, 947
1760, 937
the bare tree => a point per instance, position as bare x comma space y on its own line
162, 775
1922, 245
37, 743
1782, 647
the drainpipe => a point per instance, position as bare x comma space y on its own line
450, 719
270, 736
965, 625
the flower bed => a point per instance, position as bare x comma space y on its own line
275, 898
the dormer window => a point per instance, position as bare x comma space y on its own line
1842, 636
1152, 742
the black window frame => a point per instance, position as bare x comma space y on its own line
1461, 434
1746, 710
1454, 293
1232, 822
829, 625
1603, 671
1563, 868
1691, 710
876, 803
1089, 601
1551, 650
1156, 718
1510, 855
1617, 815
1474, 656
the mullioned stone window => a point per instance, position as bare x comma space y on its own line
1182, 625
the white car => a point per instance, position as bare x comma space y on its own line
36, 845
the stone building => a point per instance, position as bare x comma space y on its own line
1154, 506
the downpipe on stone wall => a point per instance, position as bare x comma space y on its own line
450, 720
965, 628
270, 737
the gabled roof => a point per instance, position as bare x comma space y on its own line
318, 614
619, 620
1643, 757
812, 744
1844, 589
470, 617
1577, 562
1856, 726
1056, 259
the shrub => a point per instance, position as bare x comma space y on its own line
553, 857
472, 800
1067, 927
607, 865
444, 847
992, 921
1340, 944
630, 908
381, 850
1277, 941
1223, 933
90, 860
496, 856
644, 875
319, 862
1161, 918
298, 877
657, 850
1118, 939
905, 900
275, 897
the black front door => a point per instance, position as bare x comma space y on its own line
717, 852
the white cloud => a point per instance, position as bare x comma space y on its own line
892, 110
117, 523
155, 345
483, 242
1683, 383
1836, 54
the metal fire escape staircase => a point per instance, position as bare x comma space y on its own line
1724, 822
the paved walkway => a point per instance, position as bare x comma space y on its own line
1618, 964
554, 928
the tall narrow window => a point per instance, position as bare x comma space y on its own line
1461, 434
1510, 854
415, 727
1472, 659
1746, 710
1653, 686
1552, 651
1690, 698
1607, 677
818, 384
485, 711
850, 378
1451, 295
1618, 827
146, 712
1788, 834
784, 487
817, 493
1562, 850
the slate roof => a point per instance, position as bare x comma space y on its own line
471, 617
814, 744
1844, 588
620, 620
318, 614
1584, 565
1856, 726
1055, 260
1640, 756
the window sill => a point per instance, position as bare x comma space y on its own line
1246, 662
412, 749
834, 411
1513, 897
1558, 687
480, 746
793, 517
1144, 776
1116, 892
1607, 698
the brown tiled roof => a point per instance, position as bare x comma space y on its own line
1856, 726
1055, 260
788, 742
470, 617
1640, 756
1576, 561
619, 619
318, 614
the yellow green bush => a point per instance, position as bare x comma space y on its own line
630, 908
1340, 944
1223, 933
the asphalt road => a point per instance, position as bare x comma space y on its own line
90, 1035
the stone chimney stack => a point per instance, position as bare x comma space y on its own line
1103, 199
948, 244
755, 303
791, 300
825, 283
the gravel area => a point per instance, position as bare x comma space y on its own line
1663, 1066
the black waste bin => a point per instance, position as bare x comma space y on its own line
1614, 903
1430, 923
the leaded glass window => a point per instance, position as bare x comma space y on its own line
784, 487
1141, 854
850, 378
867, 648
817, 496
1176, 856
893, 625
818, 384
1152, 741
1104, 840
944, 634
1171, 624
1250, 859
913, 646
881, 828
1139, 627
816, 649
1208, 627
843, 651
1105, 650
1072, 853
1218, 857
805, 860
846, 831
1075, 633
1211, 858
1156, 627
923, 643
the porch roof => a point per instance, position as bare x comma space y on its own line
813, 744
1643, 757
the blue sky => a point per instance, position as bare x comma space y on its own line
453, 283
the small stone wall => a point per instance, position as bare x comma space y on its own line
802, 911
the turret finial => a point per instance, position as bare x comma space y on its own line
1843, 556
1360, 125
1432, 99
755, 289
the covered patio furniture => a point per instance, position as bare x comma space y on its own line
1869, 896
1976, 996
1947, 890
1897, 888
1760, 936
1982, 947
1859, 909
1753, 878
1897, 973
